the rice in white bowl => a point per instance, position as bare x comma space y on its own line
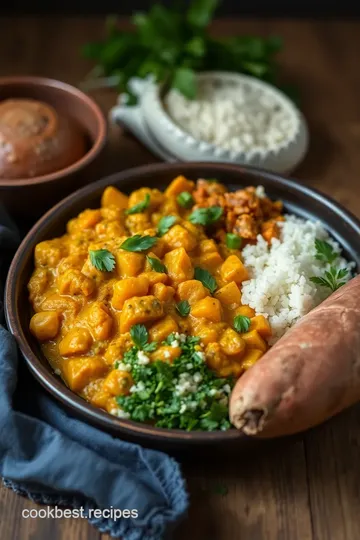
280, 287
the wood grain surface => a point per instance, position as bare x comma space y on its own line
307, 489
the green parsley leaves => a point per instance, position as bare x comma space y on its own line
185, 199
138, 243
156, 265
333, 279
183, 308
324, 251
140, 207
102, 259
233, 241
206, 216
206, 279
242, 323
165, 224
140, 337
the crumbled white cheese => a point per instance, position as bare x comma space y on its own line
197, 377
180, 337
123, 367
189, 366
226, 388
57, 372
175, 343
139, 387
142, 358
213, 392
201, 355
167, 354
183, 408
119, 413
186, 384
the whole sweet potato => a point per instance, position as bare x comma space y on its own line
309, 375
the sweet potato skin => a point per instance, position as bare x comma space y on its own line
308, 376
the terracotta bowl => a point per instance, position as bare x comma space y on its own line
297, 198
31, 197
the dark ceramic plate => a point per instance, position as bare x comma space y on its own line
297, 198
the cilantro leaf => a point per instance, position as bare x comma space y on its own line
102, 259
140, 207
206, 216
185, 199
139, 335
183, 308
242, 323
165, 224
156, 265
138, 243
206, 279
324, 251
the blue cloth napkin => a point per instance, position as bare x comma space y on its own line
54, 459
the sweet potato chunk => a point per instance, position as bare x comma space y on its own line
99, 320
178, 237
166, 354
247, 311
129, 264
45, 325
114, 197
179, 265
79, 372
229, 295
208, 308
115, 351
127, 288
77, 341
232, 343
251, 357
164, 293
161, 330
210, 261
138, 310
261, 324
118, 383
74, 282
192, 291
234, 270
178, 185
253, 340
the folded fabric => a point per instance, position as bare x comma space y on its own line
55, 459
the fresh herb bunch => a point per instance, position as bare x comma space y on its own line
172, 44
155, 397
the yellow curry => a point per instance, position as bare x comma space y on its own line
161, 260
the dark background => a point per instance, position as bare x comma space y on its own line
268, 8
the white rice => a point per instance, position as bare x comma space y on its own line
280, 286
236, 117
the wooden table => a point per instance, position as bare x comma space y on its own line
307, 488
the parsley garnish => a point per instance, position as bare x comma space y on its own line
233, 241
140, 337
324, 251
183, 308
140, 207
102, 259
242, 323
156, 265
138, 243
185, 199
206, 279
333, 279
165, 223
162, 401
206, 216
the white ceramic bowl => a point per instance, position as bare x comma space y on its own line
185, 147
